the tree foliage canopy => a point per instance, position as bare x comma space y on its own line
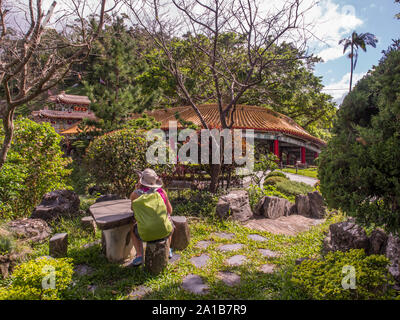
360, 168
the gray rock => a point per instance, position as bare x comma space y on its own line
58, 245
224, 235
236, 260
56, 204
229, 278
377, 242
230, 247
175, 258
268, 253
108, 197
139, 293
83, 270
346, 235
303, 207
393, 254
317, 205
234, 206
200, 261
256, 237
311, 205
267, 268
194, 284
204, 244
273, 207
35, 230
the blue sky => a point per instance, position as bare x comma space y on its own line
376, 17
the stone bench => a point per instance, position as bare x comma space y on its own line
115, 219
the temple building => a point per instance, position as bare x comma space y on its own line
272, 131
66, 111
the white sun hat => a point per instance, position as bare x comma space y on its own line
149, 178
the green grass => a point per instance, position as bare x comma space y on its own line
114, 282
309, 172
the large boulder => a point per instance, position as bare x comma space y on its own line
378, 242
35, 230
234, 206
311, 205
393, 254
56, 204
274, 207
317, 205
346, 235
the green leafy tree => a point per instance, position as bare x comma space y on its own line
35, 165
354, 42
359, 170
114, 159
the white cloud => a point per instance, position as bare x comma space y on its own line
338, 90
332, 23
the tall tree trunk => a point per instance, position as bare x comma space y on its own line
8, 126
351, 69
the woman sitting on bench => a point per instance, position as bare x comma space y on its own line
152, 213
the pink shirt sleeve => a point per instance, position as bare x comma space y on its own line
162, 194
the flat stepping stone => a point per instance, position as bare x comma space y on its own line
139, 293
194, 284
268, 253
175, 257
229, 278
267, 268
230, 247
204, 244
83, 270
200, 261
237, 260
224, 235
256, 237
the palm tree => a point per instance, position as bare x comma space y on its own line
354, 42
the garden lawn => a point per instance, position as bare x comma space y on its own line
309, 172
111, 281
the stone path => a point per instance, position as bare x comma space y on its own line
224, 235
229, 278
268, 253
195, 284
236, 260
204, 244
290, 225
230, 247
200, 261
267, 268
139, 293
256, 237
299, 178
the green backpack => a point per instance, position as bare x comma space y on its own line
152, 218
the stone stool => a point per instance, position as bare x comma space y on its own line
181, 236
156, 256
58, 245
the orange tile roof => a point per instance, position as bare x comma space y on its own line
55, 114
74, 129
70, 99
260, 119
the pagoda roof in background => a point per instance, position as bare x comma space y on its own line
55, 114
69, 99
260, 119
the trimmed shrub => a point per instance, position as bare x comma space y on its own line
256, 193
193, 203
33, 280
35, 165
273, 180
322, 279
114, 159
293, 188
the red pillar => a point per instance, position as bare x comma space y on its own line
303, 155
276, 148
288, 158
